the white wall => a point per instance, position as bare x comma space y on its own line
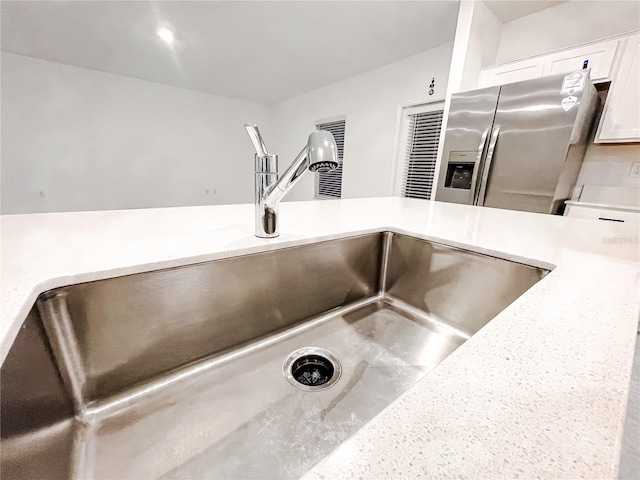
370, 103
565, 25
78, 139
484, 34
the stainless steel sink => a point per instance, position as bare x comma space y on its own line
179, 373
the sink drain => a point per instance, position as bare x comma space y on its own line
312, 369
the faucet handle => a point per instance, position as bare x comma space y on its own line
256, 139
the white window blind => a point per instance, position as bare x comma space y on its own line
422, 151
329, 185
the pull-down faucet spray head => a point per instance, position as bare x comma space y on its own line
320, 154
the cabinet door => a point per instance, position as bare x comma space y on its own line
603, 214
511, 72
599, 58
621, 116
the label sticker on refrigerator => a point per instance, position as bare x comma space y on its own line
568, 103
574, 82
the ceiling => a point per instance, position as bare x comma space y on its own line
509, 10
258, 51
262, 51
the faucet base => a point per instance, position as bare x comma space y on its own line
268, 224
266, 216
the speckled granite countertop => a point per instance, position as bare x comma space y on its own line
541, 391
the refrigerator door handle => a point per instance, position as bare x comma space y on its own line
479, 158
487, 166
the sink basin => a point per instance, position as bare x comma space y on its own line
183, 373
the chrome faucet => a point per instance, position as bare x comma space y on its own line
320, 154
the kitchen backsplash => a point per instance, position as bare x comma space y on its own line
609, 166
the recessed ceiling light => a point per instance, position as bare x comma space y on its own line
167, 35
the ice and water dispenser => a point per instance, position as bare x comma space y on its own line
460, 167
460, 180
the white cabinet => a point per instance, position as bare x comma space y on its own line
596, 212
511, 72
599, 57
620, 120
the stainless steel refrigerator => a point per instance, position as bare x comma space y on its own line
518, 146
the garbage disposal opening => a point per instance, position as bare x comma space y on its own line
312, 368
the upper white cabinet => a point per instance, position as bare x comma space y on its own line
511, 72
599, 57
621, 115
